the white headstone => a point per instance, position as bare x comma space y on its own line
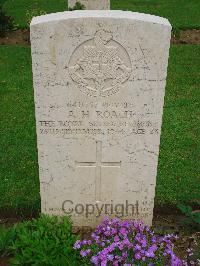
99, 83
91, 4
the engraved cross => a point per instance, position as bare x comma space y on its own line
98, 166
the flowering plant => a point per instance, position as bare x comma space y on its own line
128, 243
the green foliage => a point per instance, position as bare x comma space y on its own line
33, 13
77, 6
7, 235
192, 217
44, 241
6, 22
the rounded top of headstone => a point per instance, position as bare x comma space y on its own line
115, 14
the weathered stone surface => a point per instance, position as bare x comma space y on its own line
99, 83
91, 4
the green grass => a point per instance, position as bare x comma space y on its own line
19, 186
179, 164
19, 10
181, 13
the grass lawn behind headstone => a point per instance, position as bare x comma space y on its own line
179, 165
19, 188
183, 14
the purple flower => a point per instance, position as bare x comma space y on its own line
153, 248
137, 237
121, 246
110, 257
138, 256
112, 247
94, 260
123, 231
126, 224
149, 254
175, 261
77, 245
124, 254
116, 239
143, 243
154, 239
95, 237
113, 231
86, 242
85, 253
107, 233
104, 263
102, 244
169, 252
114, 242
142, 252
137, 247
116, 220
127, 243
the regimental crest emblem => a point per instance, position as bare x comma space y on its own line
100, 66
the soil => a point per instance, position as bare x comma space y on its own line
22, 37
7, 222
187, 37
4, 261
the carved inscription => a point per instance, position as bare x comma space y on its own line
106, 118
100, 66
98, 165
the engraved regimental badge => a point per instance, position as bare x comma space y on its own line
100, 66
